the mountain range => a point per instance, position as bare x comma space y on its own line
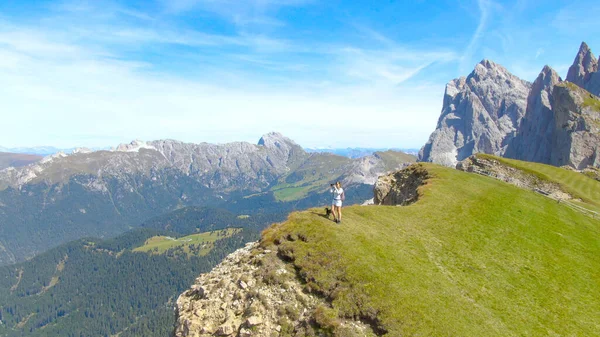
36, 150
103, 193
357, 152
548, 121
17, 159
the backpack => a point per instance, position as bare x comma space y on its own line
343, 196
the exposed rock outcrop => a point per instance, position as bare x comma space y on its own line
576, 140
512, 176
251, 293
401, 187
480, 113
533, 141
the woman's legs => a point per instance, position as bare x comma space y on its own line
333, 211
339, 209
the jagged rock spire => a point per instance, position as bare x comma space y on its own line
584, 65
480, 113
533, 141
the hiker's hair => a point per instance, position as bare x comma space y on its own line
338, 184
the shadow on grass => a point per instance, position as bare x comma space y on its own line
323, 215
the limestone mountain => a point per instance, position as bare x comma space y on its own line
103, 193
533, 141
561, 123
584, 71
480, 113
558, 127
576, 140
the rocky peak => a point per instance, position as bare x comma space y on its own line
547, 77
584, 65
485, 67
480, 113
282, 148
275, 139
134, 146
576, 141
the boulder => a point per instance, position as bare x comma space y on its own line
253, 321
401, 187
224, 330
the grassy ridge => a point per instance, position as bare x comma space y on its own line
160, 244
574, 183
474, 257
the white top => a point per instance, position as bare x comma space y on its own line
337, 192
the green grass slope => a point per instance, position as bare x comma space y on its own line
201, 243
473, 257
578, 185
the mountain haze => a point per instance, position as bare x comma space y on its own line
104, 193
17, 159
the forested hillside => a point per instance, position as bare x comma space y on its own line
93, 287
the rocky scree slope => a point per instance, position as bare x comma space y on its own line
540, 135
523, 179
254, 293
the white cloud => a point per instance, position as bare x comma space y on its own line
485, 7
51, 102
84, 89
242, 13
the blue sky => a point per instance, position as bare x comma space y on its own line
325, 73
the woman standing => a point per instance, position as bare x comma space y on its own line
336, 204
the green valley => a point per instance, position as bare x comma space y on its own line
195, 244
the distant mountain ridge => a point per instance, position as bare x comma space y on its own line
357, 152
550, 121
36, 150
17, 159
103, 193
